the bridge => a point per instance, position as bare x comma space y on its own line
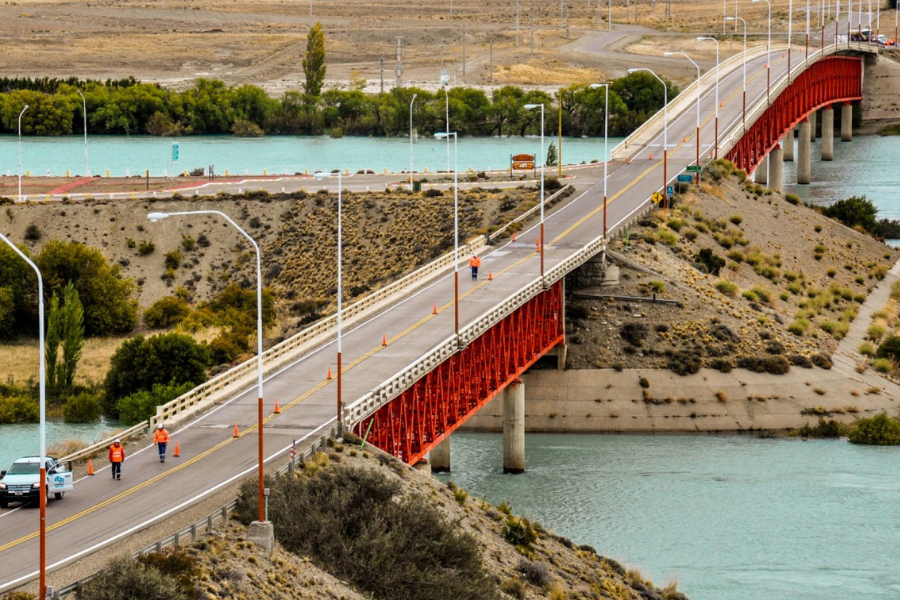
410, 374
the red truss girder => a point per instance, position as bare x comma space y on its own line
828, 81
414, 422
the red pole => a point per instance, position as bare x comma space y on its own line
542, 249
456, 297
42, 585
262, 471
807, 46
717, 129
604, 216
665, 178
698, 145
339, 384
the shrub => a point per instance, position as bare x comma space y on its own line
176, 564
519, 532
634, 333
146, 247
883, 365
889, 348
667, 237
32, 233
166, 312
173, 259
792, 198
245, 128
854, 211
875, 332
708, 262
736, 219
141, 405
866, 349
820, 360
187, 242
690, 234
879, 430
18, 409
228, 346
82, 408
799, 360
358, 522
536, 573
726, 287
722, 364
685, 362
798, 327
825, 429
127, 578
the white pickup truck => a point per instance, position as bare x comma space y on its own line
21, 482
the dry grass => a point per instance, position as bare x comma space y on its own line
20, 360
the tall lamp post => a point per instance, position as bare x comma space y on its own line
447, 105
712, 39
159, 216
605, 146
87, 171
543, 161
410, 143
20, 150
340, 298
744, 64
698, 96
42, 581
440, 135
768, 49
665, 133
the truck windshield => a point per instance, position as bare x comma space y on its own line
24, 469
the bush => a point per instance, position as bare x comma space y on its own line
634, 333
708, 262
685, 362
173, 259
830, 429
166, 312
854, 211
127, 578
358, 523
141, 405
889, 348
534, 572
32, 233
227, 346
146, 247
519, 532
726, 287
140, 363
433, 193
245, 128
792, 198
18, 409
879, 430
177, 564
821, 361
82, 408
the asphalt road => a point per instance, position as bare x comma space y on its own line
100, 510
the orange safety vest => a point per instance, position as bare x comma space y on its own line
161, 436
116, 454
475, 262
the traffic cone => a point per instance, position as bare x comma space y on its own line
277, 411
434, 310
721, 104
177, 452
627, 160
236, 431
651, 156
90, 467
490, 276
329, 372
384, 340
537, 244
514, 236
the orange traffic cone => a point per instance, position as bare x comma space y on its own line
514, 236
537, 244
434, 310
90, 467
236, 431
627, 160
177, 452
651, 156
384, 340
277, 411
329, 372
490, 276
721, 104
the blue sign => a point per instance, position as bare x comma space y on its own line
670, 191
685, 178
174, 151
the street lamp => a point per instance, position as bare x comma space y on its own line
768, 49
87, 172
744, 64
605, 146
543, 160
698, 96
20, 150
340, 296
703, 39
440, 135
410, 143
665, 133
447, 100
42, 582
158, 216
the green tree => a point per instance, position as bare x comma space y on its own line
7, 312
879, 430
140, 406
72, 335
105, 296
552, 157
314, 61
854, 212
51, 342
18, 294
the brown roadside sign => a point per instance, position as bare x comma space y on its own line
523, 158
523, 166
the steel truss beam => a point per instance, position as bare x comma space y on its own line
829, 81
417, 420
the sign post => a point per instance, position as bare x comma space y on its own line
521, 162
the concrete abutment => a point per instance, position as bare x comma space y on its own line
776, 169
439, 457
804, 166
514, 427
828, 133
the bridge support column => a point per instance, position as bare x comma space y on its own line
761, 175
787, 145
776, 169
439, 457
804, 168
514, 427
812, 126
828, 133
847, 122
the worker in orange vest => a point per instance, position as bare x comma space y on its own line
161, 439
116, 458
475, 262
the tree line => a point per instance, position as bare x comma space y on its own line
210, 106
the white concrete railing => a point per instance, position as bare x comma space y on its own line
243, 375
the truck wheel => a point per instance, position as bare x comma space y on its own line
58, 495
4, 503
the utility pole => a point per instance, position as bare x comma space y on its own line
399, 68
567, 21
532, 36
517, 23
382, 72
492, 60
464, 53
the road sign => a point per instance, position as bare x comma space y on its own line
523, 162
656, 197
670, 191
685, 178
694, 169
174, 151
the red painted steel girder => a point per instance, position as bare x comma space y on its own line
418, 419
829, 81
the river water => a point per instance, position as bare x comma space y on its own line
728, 517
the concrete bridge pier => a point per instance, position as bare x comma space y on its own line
776, 169
804, 168
761, 175
812, 126
787, 144
514, 427
847, 122
828, 133
439, 457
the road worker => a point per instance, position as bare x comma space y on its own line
161, 439
116, 458
475, 262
